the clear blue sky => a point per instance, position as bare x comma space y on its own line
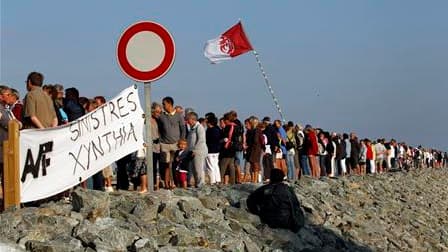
378, 67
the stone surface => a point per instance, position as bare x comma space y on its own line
387, 212
91, 204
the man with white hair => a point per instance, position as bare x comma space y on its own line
5, 117
15, 105
197, 145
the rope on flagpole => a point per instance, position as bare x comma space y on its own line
271, 91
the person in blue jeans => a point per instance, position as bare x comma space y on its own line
291, 150
304, 164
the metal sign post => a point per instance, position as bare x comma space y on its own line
148, 140
145, 53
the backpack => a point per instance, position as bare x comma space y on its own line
237, 138
417, 154
300, 137
290, 143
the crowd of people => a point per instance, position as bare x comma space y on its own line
191, 151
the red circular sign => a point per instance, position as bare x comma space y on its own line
156, 41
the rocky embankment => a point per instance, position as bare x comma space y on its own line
388, 212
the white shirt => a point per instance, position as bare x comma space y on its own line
392, 152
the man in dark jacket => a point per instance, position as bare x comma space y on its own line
354, 154
276, 204
72, 106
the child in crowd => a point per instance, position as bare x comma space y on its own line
182, 158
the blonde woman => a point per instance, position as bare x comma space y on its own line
254, 151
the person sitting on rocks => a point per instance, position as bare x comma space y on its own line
277, 204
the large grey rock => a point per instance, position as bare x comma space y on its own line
106, 234
145, 244
214, 203
60, 244
90, 203
9, 246
146, 209
46, 229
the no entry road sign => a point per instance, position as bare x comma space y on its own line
145, 51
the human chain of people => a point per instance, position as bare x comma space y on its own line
192, 151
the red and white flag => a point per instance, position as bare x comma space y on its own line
230, 44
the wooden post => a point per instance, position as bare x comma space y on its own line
11, 187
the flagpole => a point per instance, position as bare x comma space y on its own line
271, 91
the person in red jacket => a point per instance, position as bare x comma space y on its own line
312, 151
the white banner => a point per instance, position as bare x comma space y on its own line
54, 160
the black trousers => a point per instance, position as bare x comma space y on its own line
98, 181
122, 172
268, 165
